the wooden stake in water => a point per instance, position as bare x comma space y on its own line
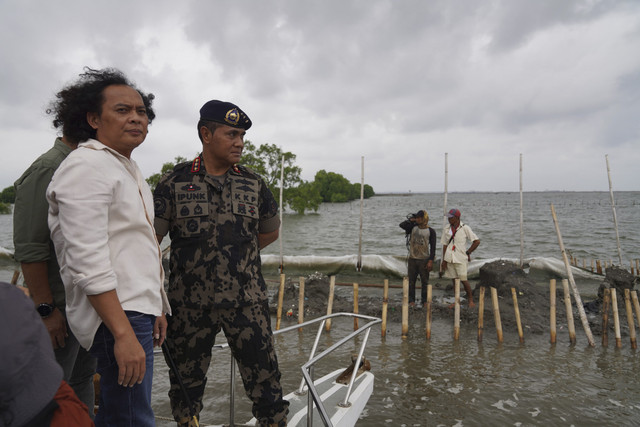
355, 306
481, 313
606, 299
569, 309
456, 310
405, 307
514, 294
552, 309
613, 207
598, 267
385, 303
636, 305
496, 313
446, 191
576, 294
630, 321
359, 263
301, 303
16, 276
521, 219
428, 307
281, 211
332, 288
616, 318
280, 300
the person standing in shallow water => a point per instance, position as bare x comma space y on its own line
421, 243
455, 255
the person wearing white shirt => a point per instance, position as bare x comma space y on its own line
455, 255
101, 221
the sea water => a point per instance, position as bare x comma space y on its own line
441, 381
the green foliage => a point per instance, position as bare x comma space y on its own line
8, 195
5, 208
266, 160
368, 191
305, 197
154, 179
335, 188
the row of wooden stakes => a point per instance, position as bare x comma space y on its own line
597, 266
610, 299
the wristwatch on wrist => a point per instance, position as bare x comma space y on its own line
45, 310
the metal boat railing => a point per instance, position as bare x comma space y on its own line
308, 368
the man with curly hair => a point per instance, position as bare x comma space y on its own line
101, 221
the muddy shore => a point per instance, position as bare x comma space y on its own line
533, 300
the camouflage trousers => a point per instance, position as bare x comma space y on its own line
190, 338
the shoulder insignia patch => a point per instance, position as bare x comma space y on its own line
195, 165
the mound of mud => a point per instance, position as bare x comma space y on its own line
533, 299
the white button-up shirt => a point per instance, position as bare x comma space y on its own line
101, 222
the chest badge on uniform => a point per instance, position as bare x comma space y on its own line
190, 187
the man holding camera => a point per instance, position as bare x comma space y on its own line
421, 243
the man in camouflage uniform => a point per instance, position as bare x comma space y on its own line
219, 215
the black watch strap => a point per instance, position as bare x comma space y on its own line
45, 310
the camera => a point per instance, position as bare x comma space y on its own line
418, 214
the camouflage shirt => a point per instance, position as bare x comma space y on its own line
213, 223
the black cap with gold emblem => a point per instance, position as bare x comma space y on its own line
225, 113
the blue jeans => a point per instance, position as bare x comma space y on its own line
78, 367
124, 406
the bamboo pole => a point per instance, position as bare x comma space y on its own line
613, 208
576, 294
446, 189
405, 307
630, 321
281, 209
355, 306
616, 318
332, 289
385, 304
359, 264
301, 303
496, 313
521, 218
481, 313
456, 310
428, 315
280, 300
514, 294
606, 300
552, 309
569, 309
636, 305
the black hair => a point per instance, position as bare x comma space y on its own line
212, 126
84, 96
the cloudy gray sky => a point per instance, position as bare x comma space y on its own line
398, 82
